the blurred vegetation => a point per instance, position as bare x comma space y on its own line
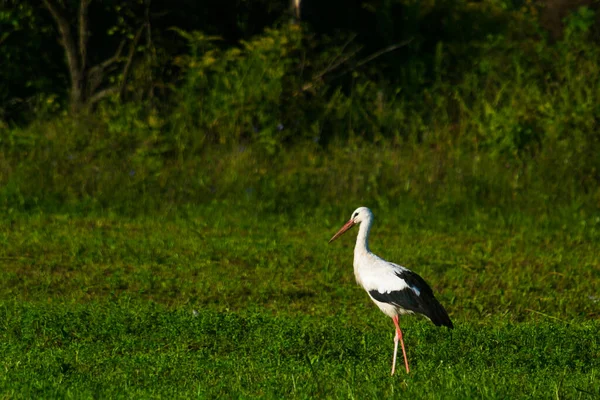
450, 103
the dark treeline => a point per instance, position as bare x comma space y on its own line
32, 50
490, 100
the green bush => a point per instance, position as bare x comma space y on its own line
236, 95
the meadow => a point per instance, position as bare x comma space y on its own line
171, 241
222, 301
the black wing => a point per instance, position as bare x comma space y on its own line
423, 303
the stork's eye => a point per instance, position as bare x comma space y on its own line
355, 215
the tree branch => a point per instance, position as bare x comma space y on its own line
344, 59
382, 52
115, 58
96, 73
335, 63
109, 61
331, 68
83, 32
339, 60
70, 47
295, 4
127, 66
59, 15
102, 94
150, 47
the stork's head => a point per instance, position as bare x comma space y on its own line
361, 214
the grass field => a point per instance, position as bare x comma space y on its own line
171, 241
223, 301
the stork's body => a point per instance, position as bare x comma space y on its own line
394, 289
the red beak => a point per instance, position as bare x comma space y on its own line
343, 229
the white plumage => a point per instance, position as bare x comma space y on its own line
396, 290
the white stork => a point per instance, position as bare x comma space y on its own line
394, 289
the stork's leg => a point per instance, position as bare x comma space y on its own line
399, 337
395, 353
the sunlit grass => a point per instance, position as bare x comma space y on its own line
223, 301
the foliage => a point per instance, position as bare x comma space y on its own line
267, 123
237, 95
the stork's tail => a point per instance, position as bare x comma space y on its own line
437, 314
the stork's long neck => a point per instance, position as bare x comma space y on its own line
362, 240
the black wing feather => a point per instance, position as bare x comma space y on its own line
423, 303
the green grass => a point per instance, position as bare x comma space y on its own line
131, 349
227, 301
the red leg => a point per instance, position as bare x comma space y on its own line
399, 336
